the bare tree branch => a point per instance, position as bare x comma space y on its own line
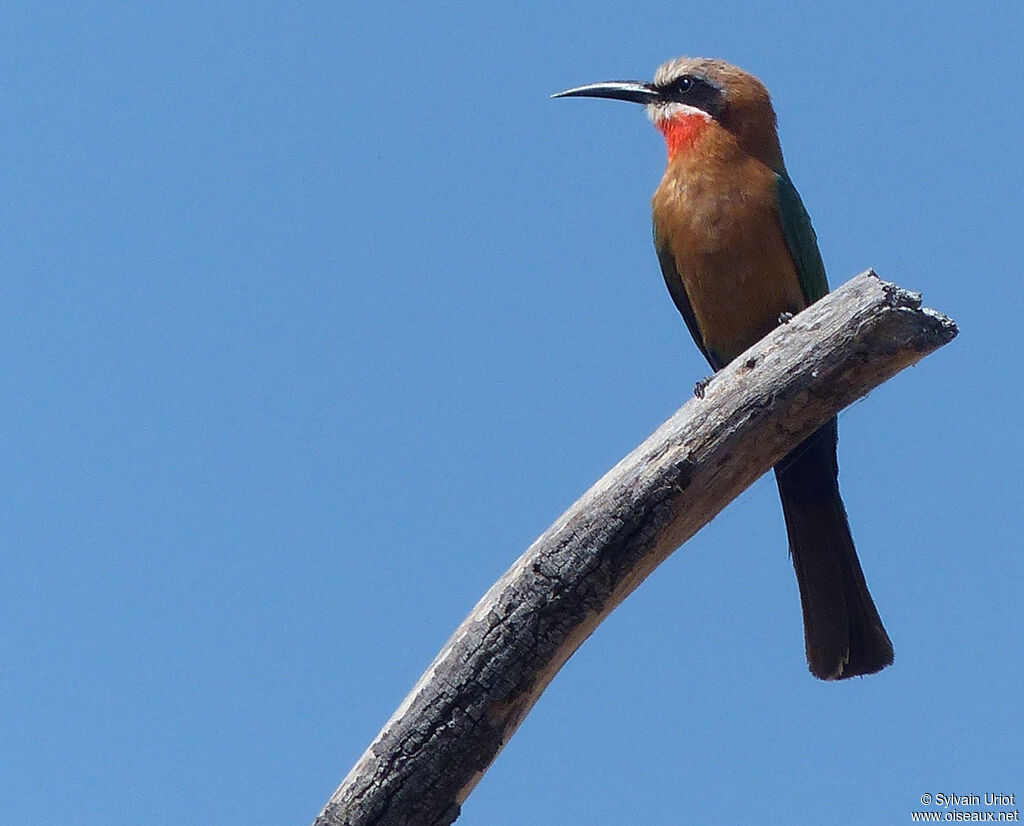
441, 740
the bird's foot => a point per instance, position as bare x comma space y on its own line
701, 386
785, 318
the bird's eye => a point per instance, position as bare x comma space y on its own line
683, 84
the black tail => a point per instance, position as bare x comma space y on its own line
842, 630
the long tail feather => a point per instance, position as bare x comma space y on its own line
843, 633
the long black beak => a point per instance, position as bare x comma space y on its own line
632, 90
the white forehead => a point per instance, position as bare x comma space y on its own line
667, 72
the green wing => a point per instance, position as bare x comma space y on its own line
678, 292
801, 240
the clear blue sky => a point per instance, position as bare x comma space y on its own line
315, 315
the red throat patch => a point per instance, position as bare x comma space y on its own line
681, 131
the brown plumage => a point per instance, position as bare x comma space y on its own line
717, 210
733, 270
729, 251
737, 251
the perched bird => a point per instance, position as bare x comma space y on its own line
738, 254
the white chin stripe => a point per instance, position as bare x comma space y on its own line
671, 111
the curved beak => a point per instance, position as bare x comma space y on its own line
632, 90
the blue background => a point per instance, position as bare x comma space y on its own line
315, 315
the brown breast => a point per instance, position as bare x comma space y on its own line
718, 211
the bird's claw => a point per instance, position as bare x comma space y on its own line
785, 318
701, 386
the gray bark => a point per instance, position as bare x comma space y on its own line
441, 740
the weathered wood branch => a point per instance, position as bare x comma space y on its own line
463, 710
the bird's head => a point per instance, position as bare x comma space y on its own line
691, 97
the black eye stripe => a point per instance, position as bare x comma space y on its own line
696, 91
685, 84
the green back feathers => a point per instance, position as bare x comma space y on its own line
801, 240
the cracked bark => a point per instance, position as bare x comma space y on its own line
438, 744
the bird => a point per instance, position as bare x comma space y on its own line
739, 256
